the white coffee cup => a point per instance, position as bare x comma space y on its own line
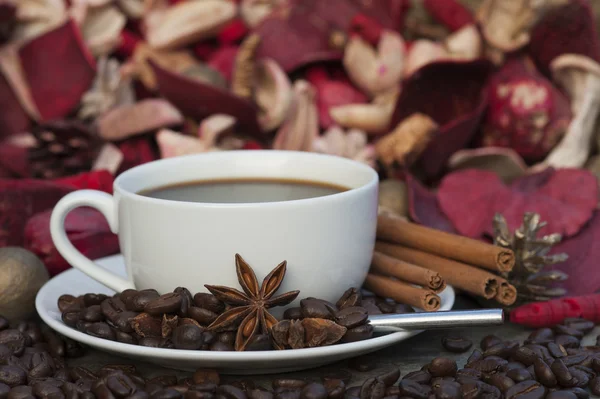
327, 241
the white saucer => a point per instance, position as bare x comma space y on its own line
75, 282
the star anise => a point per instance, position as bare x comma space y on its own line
249, 311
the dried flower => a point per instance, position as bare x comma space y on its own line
272, 93
36, 17
8, 12
243, 70
373, 118
531, 256
351, 144
133, 8
580, 77
110, 90
141, 117
393, 197
188, 22
301, 127
254, 11
101, 29
375, 70
505, 162
407, 141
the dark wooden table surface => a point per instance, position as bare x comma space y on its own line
408, 355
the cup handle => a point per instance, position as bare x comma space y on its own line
104, 203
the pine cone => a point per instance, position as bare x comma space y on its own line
64, 148
8, 11
531, 256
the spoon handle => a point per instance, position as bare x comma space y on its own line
431, 320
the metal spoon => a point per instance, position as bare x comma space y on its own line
431, 320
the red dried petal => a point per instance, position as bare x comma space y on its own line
97, 180
60, 76
367, 28
21, 199
424, 208
128, 43
298, 33
13, 118
136, 151
233, 32
569, 29
565, 198
458, 106
252, 145
398, 10
582, 264
223, 60
87, 230
526, 111
332, 93
450, 13
14, 160
200, 100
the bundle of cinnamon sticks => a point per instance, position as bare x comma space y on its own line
412, 264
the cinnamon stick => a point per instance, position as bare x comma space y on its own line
407, 272
507, 293
460, 275
402, 292
453, 246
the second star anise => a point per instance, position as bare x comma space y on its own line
250, 307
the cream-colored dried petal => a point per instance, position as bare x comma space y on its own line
465, 43
173, 144
393, 197
506, 25
109, 158
143, 116
139, 67
302, 125
36, 17
331, 142
254, 11
102, 28
188, 22
133, 8
407, 141
372, 118
351, 144
214, 126
272, 93
423, 52
375, 70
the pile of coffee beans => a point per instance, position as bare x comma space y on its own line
180, 320
551, 363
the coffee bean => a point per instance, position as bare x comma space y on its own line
262, 394
316, 308
544, 374
447, 390
122, 321
42, 365
93, 299
362, 363
12, 375
288, 383
120, 385
488, 341
167, 393
413, 389
390, 377
139, 395
203, 376
502, 350
209, 302
442, 367
186, 301
542, 335
111, 306
583, 325
560, 330
526, 390
351, 316
351, 297
372, 388
21, 392
519, 375
541, 351
315, 391
151, 342
220, 347
47, 390
386, 306
562, 373
581, 377
561, 395
335, 388
92, 314
556, 350
101, 330
419, 376
293, 314
359, 333
167, 303
68, 302
230, 392
501, 381
259, 342
201, 315
456, 344
580, 393
4, 390
475, 356
567, 341
595, 386
572, 360
525, 355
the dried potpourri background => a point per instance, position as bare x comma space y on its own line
468, 109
